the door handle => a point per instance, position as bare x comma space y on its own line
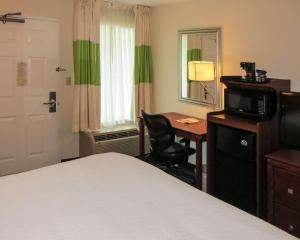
50, 103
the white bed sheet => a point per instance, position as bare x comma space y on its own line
117, 197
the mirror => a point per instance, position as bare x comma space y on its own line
199, 65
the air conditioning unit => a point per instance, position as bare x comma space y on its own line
122, 141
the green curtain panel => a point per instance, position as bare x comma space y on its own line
194, 54
86, 53
143, 64
143, 69
86, 62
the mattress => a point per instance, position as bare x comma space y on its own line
117, 197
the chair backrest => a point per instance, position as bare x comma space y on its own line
160, 131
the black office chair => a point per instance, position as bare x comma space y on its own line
162, 141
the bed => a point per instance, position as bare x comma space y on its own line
117, 197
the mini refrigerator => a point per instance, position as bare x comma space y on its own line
236, 168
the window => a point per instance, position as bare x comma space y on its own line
117, 65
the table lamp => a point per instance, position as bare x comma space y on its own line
202, 71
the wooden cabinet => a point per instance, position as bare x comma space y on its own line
284, 190
266, 138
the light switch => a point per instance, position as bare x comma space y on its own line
68, 81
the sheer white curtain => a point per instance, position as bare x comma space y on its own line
117, 65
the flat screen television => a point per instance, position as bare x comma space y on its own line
290, 119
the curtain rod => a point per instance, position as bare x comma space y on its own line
9, 17
111, 2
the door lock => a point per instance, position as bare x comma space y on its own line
60, 69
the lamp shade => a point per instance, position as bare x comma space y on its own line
201, 71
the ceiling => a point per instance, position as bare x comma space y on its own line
151, 2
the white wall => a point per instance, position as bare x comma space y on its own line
266, 32
62, 10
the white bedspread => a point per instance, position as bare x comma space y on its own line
116, 197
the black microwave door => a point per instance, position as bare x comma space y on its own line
232, 100
239, 101
250, 104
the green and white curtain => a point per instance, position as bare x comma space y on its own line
86, 108
143, 60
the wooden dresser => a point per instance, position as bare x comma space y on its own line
284, 190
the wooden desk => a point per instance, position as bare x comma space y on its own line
195, 132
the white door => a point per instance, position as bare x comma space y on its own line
29, 55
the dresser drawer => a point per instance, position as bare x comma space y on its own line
287, 189
287, 219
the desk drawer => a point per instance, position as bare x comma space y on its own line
287, 219
287, 189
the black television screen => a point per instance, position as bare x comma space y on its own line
290, 119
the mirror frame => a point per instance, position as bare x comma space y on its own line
217, 31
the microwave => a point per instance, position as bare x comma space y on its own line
252, 104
